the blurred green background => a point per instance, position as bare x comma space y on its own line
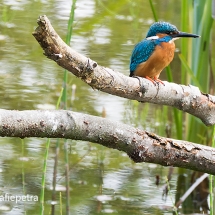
101, 180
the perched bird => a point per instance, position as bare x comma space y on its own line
156, 51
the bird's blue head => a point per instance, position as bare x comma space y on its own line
166, 28
161, 28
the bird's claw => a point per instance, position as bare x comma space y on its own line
155, 80
142, 88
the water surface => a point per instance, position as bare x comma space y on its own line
102, 180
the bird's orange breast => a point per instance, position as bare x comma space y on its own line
160, 58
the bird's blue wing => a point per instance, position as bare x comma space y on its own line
142, 51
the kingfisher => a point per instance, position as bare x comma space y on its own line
151, 55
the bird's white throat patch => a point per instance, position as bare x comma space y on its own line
173, 39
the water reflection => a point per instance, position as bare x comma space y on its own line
102, 180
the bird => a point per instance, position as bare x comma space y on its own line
151, 55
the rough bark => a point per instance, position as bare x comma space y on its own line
141, 146
186, 98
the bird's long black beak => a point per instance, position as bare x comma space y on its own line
184, 34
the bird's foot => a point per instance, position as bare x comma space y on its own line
140, 79
155, 80
158, 81
150, 79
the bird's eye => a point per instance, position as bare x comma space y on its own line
169, 32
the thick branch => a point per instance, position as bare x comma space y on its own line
141, 146
185, 98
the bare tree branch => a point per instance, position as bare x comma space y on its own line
141, 146
186, 98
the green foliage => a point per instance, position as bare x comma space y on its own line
153, 11
42, 193
190, 72
68, 38
196, 70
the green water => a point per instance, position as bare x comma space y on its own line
102, 181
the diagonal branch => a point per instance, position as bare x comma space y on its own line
186, 98
141, 146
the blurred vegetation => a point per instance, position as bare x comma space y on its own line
106, 31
